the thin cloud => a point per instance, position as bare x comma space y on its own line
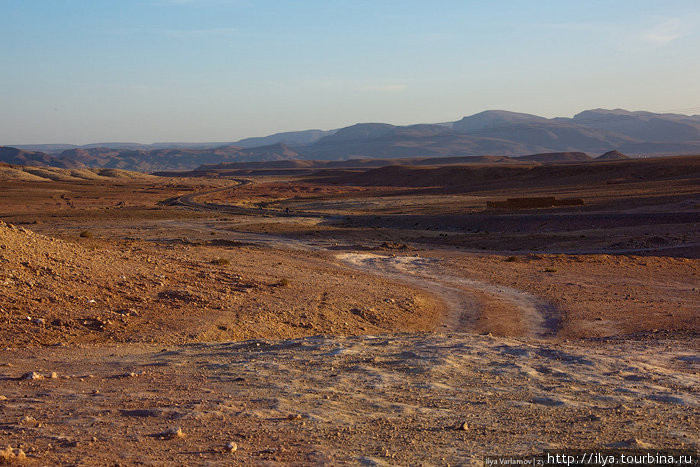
663, 33
629, 35
656, 34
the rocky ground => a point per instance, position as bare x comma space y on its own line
136, 332
405, 399
59, 292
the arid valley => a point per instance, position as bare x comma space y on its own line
396, 315
349, 233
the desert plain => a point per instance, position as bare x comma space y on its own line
354, 316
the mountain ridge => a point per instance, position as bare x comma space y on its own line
491, 132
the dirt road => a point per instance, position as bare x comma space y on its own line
466, 298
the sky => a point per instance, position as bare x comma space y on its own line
75, 71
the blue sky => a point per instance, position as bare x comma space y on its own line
78, 71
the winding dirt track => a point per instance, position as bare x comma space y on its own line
190, 200
538, 318
463, 297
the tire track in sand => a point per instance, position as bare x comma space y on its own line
538, 318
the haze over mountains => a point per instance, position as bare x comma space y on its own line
493, 132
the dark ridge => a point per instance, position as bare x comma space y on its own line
558, 157
612, 156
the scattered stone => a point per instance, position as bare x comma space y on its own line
171, 433
39, 321
3, 398
32, 375
294, 416
131, 374
464, 426
11, 456
231, 447
394, 246
28, 419
126, 312
53, 375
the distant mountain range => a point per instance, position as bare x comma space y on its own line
493, 132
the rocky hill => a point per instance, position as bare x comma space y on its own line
472, 177
612, 156
45, 173
11, 155
145, 160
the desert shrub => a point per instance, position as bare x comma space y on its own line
86, 234
550, 269
221, 262
512, 259
284, 282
